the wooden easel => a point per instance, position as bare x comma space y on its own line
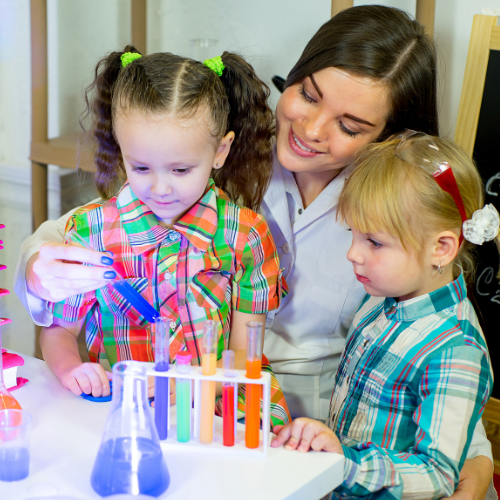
485, 36
484, 41
60, 151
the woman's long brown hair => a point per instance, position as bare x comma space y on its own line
386, 45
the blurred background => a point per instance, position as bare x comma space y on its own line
270, 33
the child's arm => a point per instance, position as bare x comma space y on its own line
238, 337
60, 351
452, 392
304, 434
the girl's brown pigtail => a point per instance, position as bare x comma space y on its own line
98, 99
247, 171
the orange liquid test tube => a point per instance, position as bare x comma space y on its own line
253, 391
208, 367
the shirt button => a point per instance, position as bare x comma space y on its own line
286, 248
300, 211
168, 275
173, 236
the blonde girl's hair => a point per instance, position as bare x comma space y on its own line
386, 193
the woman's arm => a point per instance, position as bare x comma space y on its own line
477, 473
60, 352
475, 480
42, 273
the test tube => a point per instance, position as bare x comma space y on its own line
253, 391
228, 403
183, 397
208, 367
162, 384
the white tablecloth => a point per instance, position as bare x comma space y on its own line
67, 432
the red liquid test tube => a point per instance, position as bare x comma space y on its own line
228, 401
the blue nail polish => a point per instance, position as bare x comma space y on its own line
106, 261
109, 275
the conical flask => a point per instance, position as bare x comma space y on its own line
7, 402
130, 459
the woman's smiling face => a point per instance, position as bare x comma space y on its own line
323, 121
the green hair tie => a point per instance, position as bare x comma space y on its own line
128, 57
215, 64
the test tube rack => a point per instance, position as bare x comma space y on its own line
217, 447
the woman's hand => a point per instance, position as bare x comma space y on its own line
55, 272
305, 434
475, 479
90, 378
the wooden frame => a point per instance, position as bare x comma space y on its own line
485, 36
60, 151
424, 12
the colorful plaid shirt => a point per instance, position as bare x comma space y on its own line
217, 257
412, 383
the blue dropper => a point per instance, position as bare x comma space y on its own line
162, 384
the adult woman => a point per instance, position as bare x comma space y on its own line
367, 73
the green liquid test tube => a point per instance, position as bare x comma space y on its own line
183, 397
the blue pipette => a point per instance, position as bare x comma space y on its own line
130, 294
124, 288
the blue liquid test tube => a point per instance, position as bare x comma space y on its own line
162, 384
183, 397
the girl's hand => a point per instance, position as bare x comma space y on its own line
304, 434
55, 272
151, 389
90, 378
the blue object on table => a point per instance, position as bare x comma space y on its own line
100, 399
130, 294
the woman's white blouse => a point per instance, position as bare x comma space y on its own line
306, 335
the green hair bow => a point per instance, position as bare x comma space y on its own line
215, 64
128, 57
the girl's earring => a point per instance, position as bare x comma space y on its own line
440, 269
217, 164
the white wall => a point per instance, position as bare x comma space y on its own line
271, 34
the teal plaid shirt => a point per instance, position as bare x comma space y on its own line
412, 383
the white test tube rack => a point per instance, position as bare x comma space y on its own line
217, 446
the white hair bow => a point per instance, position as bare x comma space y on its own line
483, 226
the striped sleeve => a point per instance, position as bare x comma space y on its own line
452, 392
258, 284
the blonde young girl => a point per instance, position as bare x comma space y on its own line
415, 374
181, 131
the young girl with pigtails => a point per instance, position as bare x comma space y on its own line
193, 140
415, 374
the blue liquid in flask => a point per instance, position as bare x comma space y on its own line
14, 463
119, 469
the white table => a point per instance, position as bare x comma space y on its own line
67, 432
